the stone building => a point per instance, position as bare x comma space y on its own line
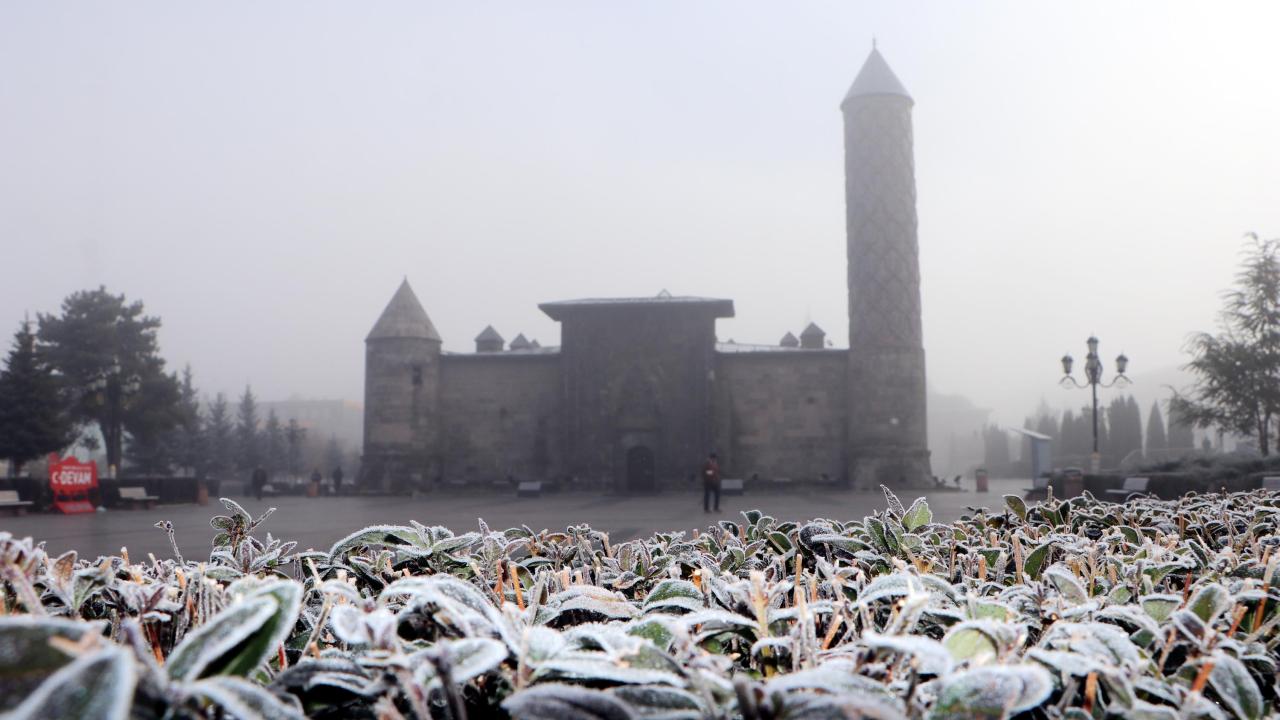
639, 389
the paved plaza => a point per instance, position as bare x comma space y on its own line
319, 522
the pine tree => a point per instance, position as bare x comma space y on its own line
248, 436
191, 453
274, 459
33, 420
219, 440
295, 437
1156, 441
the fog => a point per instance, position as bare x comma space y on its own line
263, 175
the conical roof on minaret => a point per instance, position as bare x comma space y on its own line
876, 78
404, 318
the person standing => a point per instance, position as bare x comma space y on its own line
259, 481
337, 480
710, 483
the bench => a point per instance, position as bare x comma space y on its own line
731, 486
137, 496
529, 489
1133, 486
1271, 483
9, 501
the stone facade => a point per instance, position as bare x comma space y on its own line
640, 391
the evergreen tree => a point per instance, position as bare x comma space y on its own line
273, 444
1180, 435
189, 439
248, 436
1156, 440
106, 356
219, 440
296, 438
1238, 370
152, 442
32, 418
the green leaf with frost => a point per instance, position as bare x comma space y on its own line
246, 700
673, 594
26, 655
997, 691
1210, 601
556, 701
1017, 505
97, 684
917, 515
1235, 687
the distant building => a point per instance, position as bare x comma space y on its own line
640, 391
322, 419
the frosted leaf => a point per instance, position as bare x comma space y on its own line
889, 587
979, 640
1064, 661
655, 629
842, 542
1103, 642
95, 685
246, 700
719, 619
660, 698
930, 656
1141, 710
803, 706
918, 514
554, 701
377, 536
206, 645
1210, 601
541, 642
776, 645
1062, 579
1236, 688
347, 624
27, 658
468, 658
838, 677
598, 668
992, 692
670, 593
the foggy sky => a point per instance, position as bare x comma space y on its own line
263, 175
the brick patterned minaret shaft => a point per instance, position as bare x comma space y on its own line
887, 436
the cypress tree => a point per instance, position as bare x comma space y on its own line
248, 437
1157, 442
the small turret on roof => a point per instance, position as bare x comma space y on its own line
789, 341
534, 344
875, 78
813, 337
489, 340
404, 318
520, 343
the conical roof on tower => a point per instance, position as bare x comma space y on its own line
876, 78
404, 318
813, 331
488, 334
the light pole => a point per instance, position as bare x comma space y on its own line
1093, 379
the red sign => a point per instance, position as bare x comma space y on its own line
71, 481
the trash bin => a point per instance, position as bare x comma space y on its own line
980, 480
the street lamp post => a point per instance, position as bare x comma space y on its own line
1093, 380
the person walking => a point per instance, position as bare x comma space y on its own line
710, 483
337, 480
259, 481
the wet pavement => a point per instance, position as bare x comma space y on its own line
319, 522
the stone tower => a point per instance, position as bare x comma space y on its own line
887, 442
401, 396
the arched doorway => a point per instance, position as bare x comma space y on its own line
640, 476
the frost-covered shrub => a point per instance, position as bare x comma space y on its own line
1063, 609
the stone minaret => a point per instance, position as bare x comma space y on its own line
401, 396
886, 354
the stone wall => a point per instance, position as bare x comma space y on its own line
401, 390
782, 414
499, 417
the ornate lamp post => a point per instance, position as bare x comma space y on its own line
1093, 380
